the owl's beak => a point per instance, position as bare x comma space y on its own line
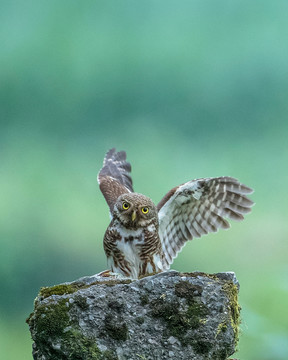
133, 215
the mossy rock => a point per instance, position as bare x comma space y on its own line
193, 315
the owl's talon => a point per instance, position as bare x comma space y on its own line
105, 273
109, 273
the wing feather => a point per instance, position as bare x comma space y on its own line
197, 208
114, 178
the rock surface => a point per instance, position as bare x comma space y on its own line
170, 315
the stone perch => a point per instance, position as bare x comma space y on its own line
170, 315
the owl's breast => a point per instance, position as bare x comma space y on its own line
133, 252
130, 242
128, 246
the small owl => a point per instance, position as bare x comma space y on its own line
143, 238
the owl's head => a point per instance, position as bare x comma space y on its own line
135, 210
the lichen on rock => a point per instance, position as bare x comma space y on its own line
169, 315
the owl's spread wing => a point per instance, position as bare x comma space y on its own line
114, 178
197, 208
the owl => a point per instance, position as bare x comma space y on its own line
143, 238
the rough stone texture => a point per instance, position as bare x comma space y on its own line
170, 315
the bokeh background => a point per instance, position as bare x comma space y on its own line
189, 89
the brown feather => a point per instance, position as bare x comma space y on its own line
114, 178
197, 208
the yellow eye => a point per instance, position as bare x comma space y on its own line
145, 210
125, 205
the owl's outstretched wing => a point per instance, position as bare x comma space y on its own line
199, 207
114, 178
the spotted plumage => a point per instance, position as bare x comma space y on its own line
142, 238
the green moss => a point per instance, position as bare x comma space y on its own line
109, 355
77, 346
222, 354
140, 320
114, 324
202, 346
57, 290
116, 305
176, 320
81, 302
179, 320
222, 328
196, 313
197, 274
231, 291
30, 319
116, 327
51, 320
144, 299
234, 308
64, 289
187, 290
52, 324
196, 309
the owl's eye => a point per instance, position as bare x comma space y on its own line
145, 210
125, 205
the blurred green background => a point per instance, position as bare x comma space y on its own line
189, 89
